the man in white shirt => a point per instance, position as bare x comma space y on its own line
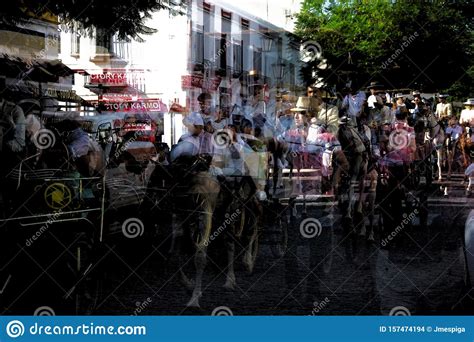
327, 113
467, 114
443, 108
196, 142
374, 88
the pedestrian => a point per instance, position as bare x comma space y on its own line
327, 113
219, 122
206, 109
195, 142
415, 112
353, 104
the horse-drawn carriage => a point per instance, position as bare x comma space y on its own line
53, 219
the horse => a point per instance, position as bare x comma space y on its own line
243, 194
186, 189
435, 139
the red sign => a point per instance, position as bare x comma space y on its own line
198, 81
109, 78
141, 105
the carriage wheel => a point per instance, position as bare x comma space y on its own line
89, 282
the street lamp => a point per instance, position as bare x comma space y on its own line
278, 69
267, 43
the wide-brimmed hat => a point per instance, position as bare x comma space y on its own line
469, 102
375, 85
305, 104
399, 95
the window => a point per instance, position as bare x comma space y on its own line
197, 48
120, 48
245, 27
237, 60
222, 52
103, 41
209, 53
257, 60
75, 43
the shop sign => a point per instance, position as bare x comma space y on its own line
198, 81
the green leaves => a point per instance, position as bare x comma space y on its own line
125, 17
407, 43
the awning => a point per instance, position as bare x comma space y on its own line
38, 70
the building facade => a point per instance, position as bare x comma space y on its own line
211, 47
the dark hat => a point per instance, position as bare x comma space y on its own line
375, 85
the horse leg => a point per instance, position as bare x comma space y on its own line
251, 249
440, 155
200, 260
176, 248
230, 276
249, 257
450, 152
207, 200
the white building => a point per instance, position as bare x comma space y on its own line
214, 47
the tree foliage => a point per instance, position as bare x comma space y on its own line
125, 17
404, 44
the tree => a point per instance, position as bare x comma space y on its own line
404, 44
125, 17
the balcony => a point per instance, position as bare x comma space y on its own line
109, 48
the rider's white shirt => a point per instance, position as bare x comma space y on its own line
190, 145
467, 116
371, 101
444, 110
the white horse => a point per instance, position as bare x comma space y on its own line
435, 135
